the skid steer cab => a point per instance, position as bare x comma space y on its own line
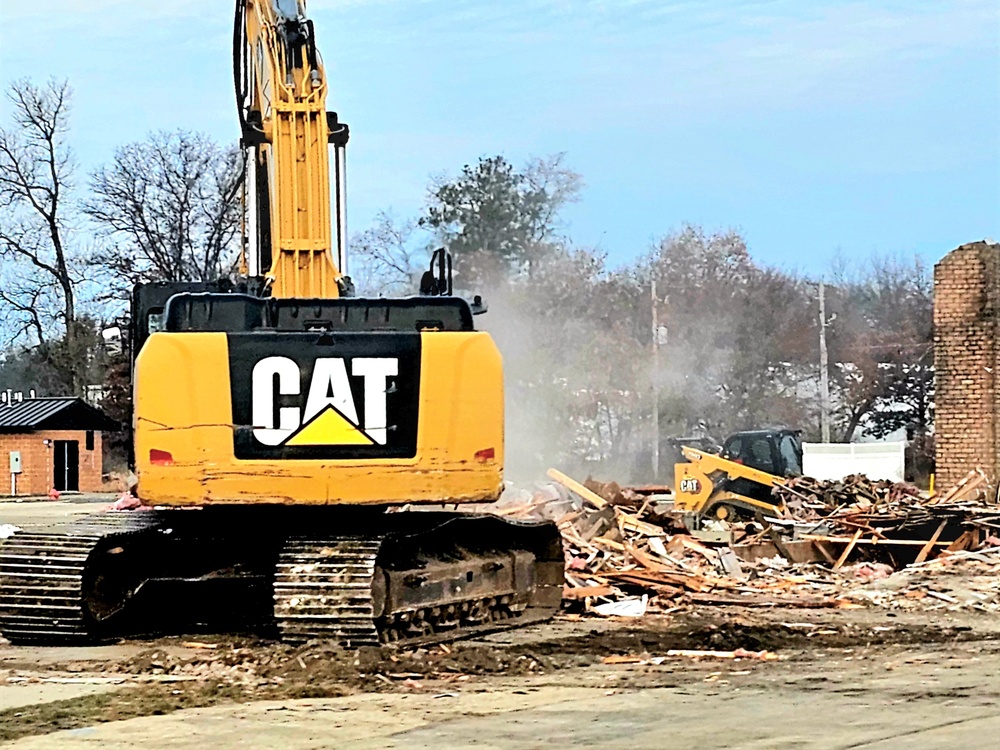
737, 482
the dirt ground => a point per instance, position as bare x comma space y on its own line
855, 678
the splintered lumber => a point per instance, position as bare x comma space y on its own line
848, 549
628, 522
573, 486
643, 559
973, 481
966, 540
617, 659
945, 559
709, 554
602, 541
873, 542
821, 548
805, 602
663, 578
584, 592
925, 550
690, 653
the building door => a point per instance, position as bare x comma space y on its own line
67, 466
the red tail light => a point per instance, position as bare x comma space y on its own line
487, 454
160, 458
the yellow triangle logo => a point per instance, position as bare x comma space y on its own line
330, 427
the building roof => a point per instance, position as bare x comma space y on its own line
53, 413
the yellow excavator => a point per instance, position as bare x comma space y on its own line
285, 432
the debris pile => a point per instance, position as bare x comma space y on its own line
961, 581
907, 526
809, 498
850, 543
317, 669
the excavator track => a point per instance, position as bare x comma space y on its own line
406, 578
44, 577
323, 589
412, 589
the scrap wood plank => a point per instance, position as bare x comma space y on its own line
873, 542
630, 522
778, 542
603, 541
821, 547
981, 555
805, 602
925, 550
863, 527
973, 480
662, 579
661, 589
848, 549
583, 592
573, 486
645, 560
619, 659
709, 554
965, 541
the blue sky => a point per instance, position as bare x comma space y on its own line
814, 127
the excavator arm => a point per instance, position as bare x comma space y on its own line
281, 90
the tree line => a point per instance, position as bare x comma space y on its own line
736, 340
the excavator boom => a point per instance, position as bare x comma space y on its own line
286, 129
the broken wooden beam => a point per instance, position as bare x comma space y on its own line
573, 486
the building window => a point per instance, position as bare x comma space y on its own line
90, 440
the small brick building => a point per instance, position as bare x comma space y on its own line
966, 358
58, 442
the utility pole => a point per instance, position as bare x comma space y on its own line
656, 386
824, 369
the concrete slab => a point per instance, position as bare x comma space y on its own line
20, 696
49, 511
527, 718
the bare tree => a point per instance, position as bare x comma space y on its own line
36, 173
550, 176
41, 272
387, 259
883, 337
169, 207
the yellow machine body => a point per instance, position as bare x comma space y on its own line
184, 432
701, 486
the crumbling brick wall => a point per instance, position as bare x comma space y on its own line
966, 357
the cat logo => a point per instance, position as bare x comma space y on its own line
329, 415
